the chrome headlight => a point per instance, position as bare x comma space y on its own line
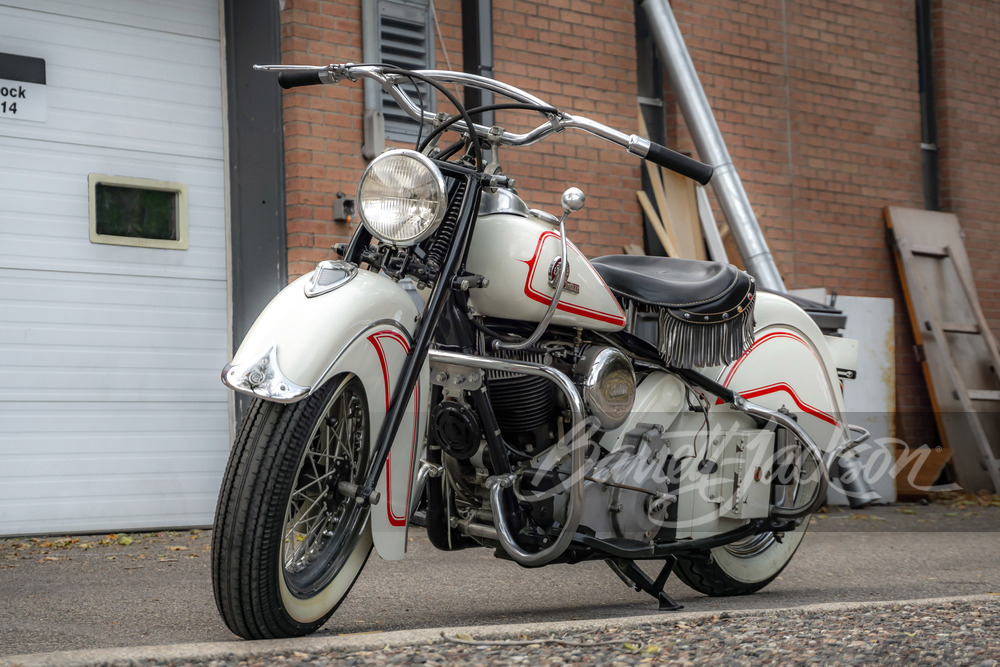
401, 197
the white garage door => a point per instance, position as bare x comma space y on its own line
112, 415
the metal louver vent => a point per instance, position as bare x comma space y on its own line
406, 41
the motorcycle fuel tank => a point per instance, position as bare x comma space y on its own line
517, 253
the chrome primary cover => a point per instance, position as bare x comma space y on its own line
608, 384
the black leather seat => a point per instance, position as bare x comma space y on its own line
708, 290
703, 310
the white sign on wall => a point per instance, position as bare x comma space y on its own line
22, 88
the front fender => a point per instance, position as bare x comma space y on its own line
363, 327
293, 345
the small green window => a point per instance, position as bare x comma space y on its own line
138, 212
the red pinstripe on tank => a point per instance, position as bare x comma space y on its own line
545, 300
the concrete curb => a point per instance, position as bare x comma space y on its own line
240, 650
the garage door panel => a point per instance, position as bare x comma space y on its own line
70, 445
92, 70
113, 386
204, 263
100, 310
200, 337
191, 17
124, 471
169, 510
51, 289
98, 336
147, 425
47, 169
113, 413
48, 221
102, 360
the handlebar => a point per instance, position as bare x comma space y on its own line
298, 78
292, 76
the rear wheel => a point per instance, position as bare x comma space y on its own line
288, 544
740, 568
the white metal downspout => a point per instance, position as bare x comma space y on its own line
711, 146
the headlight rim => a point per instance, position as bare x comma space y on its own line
439, 181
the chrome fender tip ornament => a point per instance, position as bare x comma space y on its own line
263, 378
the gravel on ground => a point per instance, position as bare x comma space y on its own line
962, 632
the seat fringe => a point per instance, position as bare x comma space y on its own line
688, 344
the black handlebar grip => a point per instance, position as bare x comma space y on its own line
300, 78
682, 164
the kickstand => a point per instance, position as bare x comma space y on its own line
638, 580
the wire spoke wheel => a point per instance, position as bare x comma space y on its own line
289, 538
322, 523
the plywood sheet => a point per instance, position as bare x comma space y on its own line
682, 204
959, 350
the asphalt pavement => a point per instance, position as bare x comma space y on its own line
149, 595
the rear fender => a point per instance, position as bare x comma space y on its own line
790, 366
363, 327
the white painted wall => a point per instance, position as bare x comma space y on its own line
112, 415
871, 398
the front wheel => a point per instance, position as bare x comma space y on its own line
740, 568
288, 544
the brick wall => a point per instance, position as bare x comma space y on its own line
818, 102
323, 132
819, 105
967, 79
580, 59
578, 56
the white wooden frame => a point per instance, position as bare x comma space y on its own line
179, 189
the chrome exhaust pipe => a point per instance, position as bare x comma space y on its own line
497, 483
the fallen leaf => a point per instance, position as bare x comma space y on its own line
178, 548
125, 540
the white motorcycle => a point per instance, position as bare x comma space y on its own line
466, 369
